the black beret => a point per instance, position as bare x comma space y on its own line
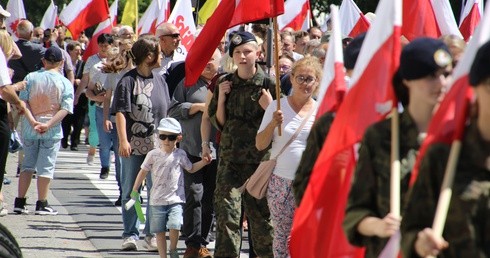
422, 57
351, 52
240, 38
480, 69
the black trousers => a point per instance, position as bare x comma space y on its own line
4, 139
76, 120
198, 209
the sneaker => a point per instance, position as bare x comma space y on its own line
74, 148
42, 208
204, 253
118, 202
129, 244
20, 206
104, 173
174, 254
151, 243
3, 210
90, 159
191, 252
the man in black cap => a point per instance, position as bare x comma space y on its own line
237, 107
50, 98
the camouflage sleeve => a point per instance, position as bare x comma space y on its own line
213, 107
362, 196
423, 197
314, 145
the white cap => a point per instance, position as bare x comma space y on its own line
170, 125
3, 12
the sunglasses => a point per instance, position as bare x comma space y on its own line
171, 138
175, 35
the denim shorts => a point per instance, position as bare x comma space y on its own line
40, 156
165, 217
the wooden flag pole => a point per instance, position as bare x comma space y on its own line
136, 21
276, 67
395, 164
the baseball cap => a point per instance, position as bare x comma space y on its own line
351, 52
3, 12
53, 54
240, 38
170, 125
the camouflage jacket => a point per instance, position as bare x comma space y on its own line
314, 145
243, 117
467, 227
370, 191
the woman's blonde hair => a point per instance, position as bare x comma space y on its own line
6, 43
309, 62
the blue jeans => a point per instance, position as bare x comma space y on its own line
105, 140
129, 171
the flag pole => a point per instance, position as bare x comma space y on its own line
276, 67
136, 20
395, 164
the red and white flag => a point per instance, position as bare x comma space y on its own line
104, 27
425, 23
50, 18
157, 12
17, 13
470, 17
296, 15
332, 87
445, 18
81, 14
182, 18
317, 226
353, 22
229, 13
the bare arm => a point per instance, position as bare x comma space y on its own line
206, 128
264, 138
198, 165
139, 179
106, 109
124, 146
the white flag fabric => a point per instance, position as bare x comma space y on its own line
182, 18
296, 15
156, 13
50, 17
445, 18
17, 13
352, 20
470, 17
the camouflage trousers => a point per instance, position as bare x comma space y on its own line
228, 204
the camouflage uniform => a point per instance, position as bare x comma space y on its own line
370, 191
314, 145
467, 228
238, 159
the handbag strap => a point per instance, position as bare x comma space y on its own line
307, 117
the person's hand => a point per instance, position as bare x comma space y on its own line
277, 118
206, 153
41, 128
224, 89
387, 226
135, 195
107, 126
124, 149
265, 99
77, 82
428, 244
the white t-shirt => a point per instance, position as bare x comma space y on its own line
4, 72
167, 175
288, 161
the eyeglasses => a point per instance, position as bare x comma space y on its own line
284, 67
305, 79
174, 35
171, 138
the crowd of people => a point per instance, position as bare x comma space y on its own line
192, 147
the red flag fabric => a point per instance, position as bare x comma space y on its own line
229, 13
104, 27
353, 21
295, 15
425, 23
448, 122
81, 14
470, 17
332, 86
317, 226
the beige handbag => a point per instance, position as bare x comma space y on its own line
257, 184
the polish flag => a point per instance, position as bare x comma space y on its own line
447, 124
17, 13
50, 17
353, 22
296, 15
157, 12
104, 27
317, 226
229, 13
332, 87
182, 18
81, 14
419, 20
472, 13
445, 18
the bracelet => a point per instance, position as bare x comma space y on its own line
205, 144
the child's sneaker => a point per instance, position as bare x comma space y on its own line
20, 206
42, 208
129, 244
151, 243
3, 210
